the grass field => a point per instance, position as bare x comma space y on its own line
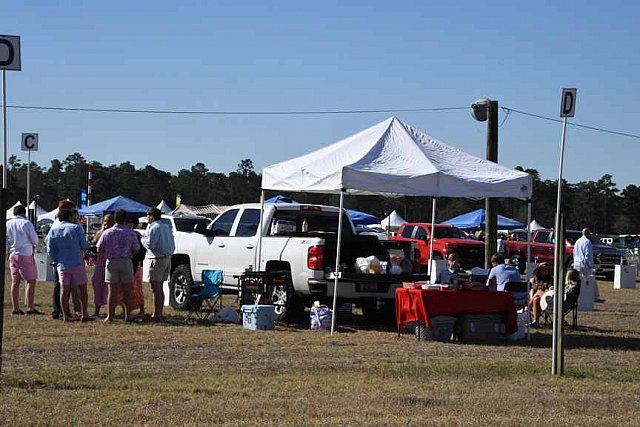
72, 373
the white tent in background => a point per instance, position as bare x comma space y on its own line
10, 210
535, 225
393, 221
39, 209
164, 207
393, 158
49, 216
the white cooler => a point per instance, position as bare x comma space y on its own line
587, 292
624, 277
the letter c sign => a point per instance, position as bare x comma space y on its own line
568, 103
29, 142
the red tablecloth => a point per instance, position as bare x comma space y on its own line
418, 304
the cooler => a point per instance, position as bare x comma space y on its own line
587, 292
480, 328
624, 277
258, 317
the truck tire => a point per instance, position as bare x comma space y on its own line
179, 288
384, 312
291, 310
520, 263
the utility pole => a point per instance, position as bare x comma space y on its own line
491, 210
487, 110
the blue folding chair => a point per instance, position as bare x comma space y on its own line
204, 296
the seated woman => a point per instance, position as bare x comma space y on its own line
541, 282
453, 268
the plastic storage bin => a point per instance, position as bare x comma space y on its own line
480, 328
258, 317
442, 328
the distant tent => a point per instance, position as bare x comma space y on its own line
164, 207
362, 218
280, 199
10, 210
109, 206
210, 211
535, 225
48, 216
393, 221
475, 219
39, 209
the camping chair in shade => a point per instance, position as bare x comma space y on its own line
204, 296
569, 305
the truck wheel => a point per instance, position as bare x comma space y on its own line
291, 310
380, 313
520, 262
179, 287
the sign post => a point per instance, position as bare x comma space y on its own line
567, 109
29, 144
9, 60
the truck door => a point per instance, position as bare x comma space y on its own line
542, 247
242, 245
211, 250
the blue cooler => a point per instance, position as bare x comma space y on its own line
258, 317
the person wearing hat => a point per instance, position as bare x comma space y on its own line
541, 281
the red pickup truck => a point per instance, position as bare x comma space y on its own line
447, 239
542, 241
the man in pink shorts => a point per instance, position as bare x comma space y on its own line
21, 238
65, 244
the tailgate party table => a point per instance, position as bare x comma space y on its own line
420, 304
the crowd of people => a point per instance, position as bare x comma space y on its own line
124, 256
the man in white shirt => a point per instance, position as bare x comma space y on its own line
583, 260
21, 238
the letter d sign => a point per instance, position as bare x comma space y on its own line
568, 103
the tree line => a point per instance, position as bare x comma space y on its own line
599, 204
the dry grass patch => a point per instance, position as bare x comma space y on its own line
181, 374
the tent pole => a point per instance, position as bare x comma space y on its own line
258, 262
528, 262
336, 272
433, 223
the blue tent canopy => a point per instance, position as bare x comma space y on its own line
475, 219
109, 206
361, 218
280, 199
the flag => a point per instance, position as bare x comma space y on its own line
83, 198
178, 200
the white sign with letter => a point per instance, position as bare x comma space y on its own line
568, 104
10, 53
29, 142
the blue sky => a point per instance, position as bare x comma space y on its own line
329, 55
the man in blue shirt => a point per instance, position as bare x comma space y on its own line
583, 260
65, 244
158, 241
501, 273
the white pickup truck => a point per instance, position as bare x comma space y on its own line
299, 240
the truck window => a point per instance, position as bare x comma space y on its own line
317, 221
421, 234
450, 233
407, 231
248, 224
188, 224
542, 237
222, 225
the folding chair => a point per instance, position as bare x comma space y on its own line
204, 296
569, 305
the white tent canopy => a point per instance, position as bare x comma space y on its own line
10, 210
39, 209
393, 221
49, 216
535, 225
394, 158
164, 207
